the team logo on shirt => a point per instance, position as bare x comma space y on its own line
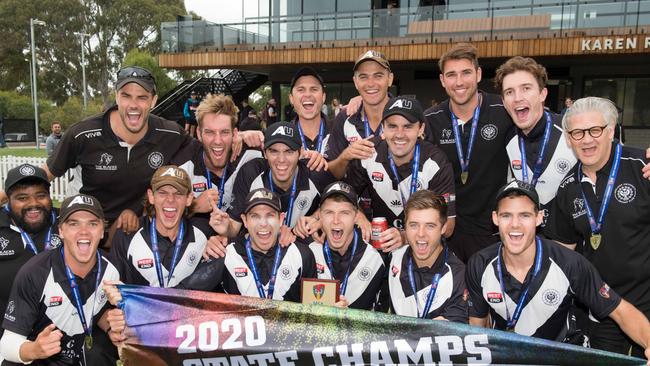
352, 139
145, 263
516, 164
11, 306
199, 187
105, 160
562, 166
55, 241
578, 208
604, 291
395, 203
320, 269
27, 170
395, 270
191, 259
241, 272
625, 193
3, 243
446, 137
489, 132
302, 204
155, 160
551, 297
56, 301
364, 274
494, 297
378, 176
285, 272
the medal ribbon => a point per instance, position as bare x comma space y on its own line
512, 322
292, 196
434, 286
596, 226
328, 257
77, 297
222, 182
366, 125
414, 172
464, 161
321, 133
156, 256
256, 275
537, 169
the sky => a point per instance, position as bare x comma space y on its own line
215, 11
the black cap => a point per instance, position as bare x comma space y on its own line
138, 75
283, 132
306, 71
343, 189
404, 106
519, 186
25, 172
262, 196
80, 202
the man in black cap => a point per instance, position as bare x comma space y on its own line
402, 164
527, 284
119, 150
56, 300
27, 223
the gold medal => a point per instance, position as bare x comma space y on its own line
463, 177
595, 240
88, 341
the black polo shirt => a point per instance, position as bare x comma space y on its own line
313, 144
133, 256
255, 174
450, 300
564, 275
367, 271
191, 160
345, 131
623, 257
558, 158
14, 252
234, 274
434, 173
41, 295
116, 174
488, 167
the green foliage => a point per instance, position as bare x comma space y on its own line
144, 59
69, 113
16, 105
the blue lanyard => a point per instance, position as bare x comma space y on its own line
366, 125
156, 256
292, 197
510, 323
434, 286
537, 169
414, 172
77, 296
256, 275
596, 226
321, 133
27, 240
222, 183
464, 161
328, 257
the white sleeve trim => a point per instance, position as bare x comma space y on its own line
10, 347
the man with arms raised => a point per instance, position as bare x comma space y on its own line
56, 298
603, 207
425, 279
527, 284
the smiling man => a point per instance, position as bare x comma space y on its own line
602, 207
425, 279
402, 164
527, 284
56, 299
168, 246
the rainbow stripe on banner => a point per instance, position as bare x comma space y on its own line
193, 328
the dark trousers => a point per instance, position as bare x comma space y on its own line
464, 245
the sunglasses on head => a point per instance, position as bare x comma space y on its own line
134, 72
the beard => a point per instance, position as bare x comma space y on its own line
31, 227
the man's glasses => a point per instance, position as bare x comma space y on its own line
579, 133
134, 72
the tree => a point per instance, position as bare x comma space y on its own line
15, 105
71, 112
144, 59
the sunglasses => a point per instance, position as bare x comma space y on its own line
134, 72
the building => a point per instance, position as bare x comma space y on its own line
589, 47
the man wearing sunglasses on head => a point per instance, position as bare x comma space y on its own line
119, 150
602, 208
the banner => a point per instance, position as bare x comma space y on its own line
193, 328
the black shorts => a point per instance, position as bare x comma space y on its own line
464, 245
608, 336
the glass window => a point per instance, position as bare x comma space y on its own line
318, 6
350, 6
629, 95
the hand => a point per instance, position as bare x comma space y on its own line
113, 295
646, 175
307, 225
365, 225
342, 303
316, 161
286, 236
391, 239
47, 343
219, 220
202, 202
353, 105
216, 247
236, 146
360, 149
117, 323
253, 139
127, 221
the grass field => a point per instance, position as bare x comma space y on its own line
20, 151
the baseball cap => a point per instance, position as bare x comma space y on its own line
306, 71
343, 189
25, 172
138, 75
282, 132
173, 176
406, 107
522, 187
262, 196
372, 55
80, 202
